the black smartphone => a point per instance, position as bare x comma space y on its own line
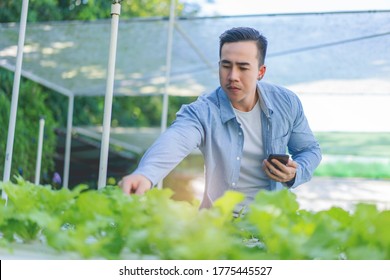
280, 157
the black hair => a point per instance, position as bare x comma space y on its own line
238, 34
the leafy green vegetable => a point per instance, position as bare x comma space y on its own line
107, 224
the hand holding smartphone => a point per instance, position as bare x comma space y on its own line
280, 157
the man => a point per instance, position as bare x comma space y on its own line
236, 127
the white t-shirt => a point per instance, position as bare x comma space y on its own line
252, 177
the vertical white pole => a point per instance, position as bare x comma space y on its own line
164, 116
65, 183
115, 12
39, 151
15, 96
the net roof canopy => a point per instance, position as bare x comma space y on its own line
330, 52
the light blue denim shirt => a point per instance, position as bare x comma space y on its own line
210, 124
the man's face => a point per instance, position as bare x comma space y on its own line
238, 73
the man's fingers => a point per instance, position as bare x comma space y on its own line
292, 163
126, 185
285, 172
135, 184
126, 188
142, 188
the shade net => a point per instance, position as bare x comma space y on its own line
335, 53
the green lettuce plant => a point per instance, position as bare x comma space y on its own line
108, 224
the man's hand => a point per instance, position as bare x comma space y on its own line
135, 184
285, 174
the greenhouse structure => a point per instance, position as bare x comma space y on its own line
338, 63
339, 58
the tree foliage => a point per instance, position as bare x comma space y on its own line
31, 106
53, 10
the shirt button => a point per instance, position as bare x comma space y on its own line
233, 184
238, 158
240, 133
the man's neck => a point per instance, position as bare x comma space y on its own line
250, 105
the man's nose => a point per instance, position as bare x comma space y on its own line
233, 75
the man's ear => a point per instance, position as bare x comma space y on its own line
262, 71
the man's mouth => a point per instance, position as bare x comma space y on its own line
231, 87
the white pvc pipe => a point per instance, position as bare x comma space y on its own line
115, 12
164, 115
65, 182
15, 96
39, 151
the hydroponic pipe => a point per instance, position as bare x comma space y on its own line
115, 12
15, 96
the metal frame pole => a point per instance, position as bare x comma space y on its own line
115, 12
39, 151
164, 115
15, 96
68, 143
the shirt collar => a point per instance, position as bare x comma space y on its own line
227, 112
265, 103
